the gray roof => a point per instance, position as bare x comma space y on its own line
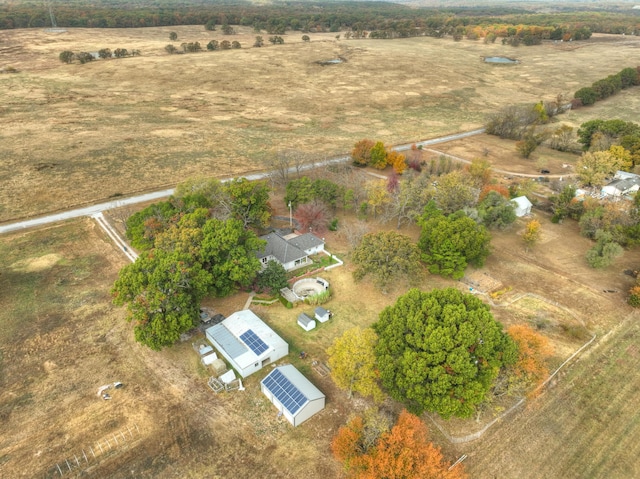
306, 241
320, 311
227, 341
304, 319
280, 248
625, 184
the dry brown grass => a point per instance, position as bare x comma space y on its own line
61, 340
81, 133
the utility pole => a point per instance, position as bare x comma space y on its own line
290, 216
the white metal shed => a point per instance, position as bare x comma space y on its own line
294, 395
247, 342
522, 206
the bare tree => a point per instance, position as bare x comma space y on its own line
354, 231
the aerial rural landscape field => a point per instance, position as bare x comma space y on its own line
76, 134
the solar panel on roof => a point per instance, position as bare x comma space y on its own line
257, 345
288, 395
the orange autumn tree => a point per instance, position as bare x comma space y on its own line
497, 188
534, 350
397, 161
404, 452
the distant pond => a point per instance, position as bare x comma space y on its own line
504, 60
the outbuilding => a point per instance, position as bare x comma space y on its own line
246, 342
305, 322
294, 395
322, 314
522, 206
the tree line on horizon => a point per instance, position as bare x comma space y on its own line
387, 20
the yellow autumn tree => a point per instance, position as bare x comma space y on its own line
353, 363
397, 161
531, 233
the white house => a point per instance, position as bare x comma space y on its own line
305, 322
246, 342
623, 184
522, 206
290, 251
322, 314
293, 394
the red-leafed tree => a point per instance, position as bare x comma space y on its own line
404, 452
312, 217
497, 188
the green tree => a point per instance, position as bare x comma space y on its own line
586, 95
353, 362
120, 52
272, 278
162, 291
378, 156
84, 57
228, 253
249, 202
454, 192
170, 49
449, 243
305, 38
387, 256
210, 25
259, 41
235, 45
213, 45
299, 191
173, 36
66, 56
146, 224
105, 53
565, 204
440, 351
604, 252
496, 211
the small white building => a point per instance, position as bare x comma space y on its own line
294, 395
522, 206
322, 314
247, 342
305, 322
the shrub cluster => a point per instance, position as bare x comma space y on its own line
606, 87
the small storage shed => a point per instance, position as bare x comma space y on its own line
305, 322
522, 206
322, 314
294, 395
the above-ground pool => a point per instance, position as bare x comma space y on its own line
309, 287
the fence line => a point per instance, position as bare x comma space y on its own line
75, 464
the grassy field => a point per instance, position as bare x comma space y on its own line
74, 134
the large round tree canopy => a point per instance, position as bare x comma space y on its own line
440, 351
